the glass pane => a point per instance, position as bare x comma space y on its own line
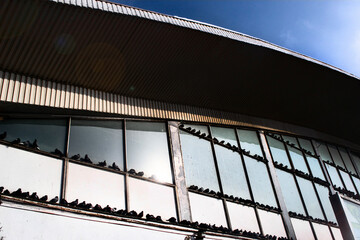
272, 223
29, 171
42, 130
226, 134
95, 186
278, 151
207, 210
249, 141
298, 159
60, 226
242, 217
357, 183
151, 198
325, 201
335, 179
356, 160
315, 167
260, 182
310, 198
323, 151
198, 162
290, 192
337, 233
336, 156
347, 180
100, 140
291, 140
302, 229
322, 231
306, 144
148, 150
345, 156
232, 172
201, 128
352, 214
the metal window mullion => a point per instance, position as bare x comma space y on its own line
219, 179
169, 142
248, 181
322, 165
357, 170
65, 162
126, 177
278, 193
305, 159
182, 193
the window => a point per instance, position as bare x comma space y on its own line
278, 152
249, 141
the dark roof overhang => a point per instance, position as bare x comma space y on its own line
153, 56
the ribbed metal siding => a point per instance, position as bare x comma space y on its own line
26, 90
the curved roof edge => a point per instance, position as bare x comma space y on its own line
192, 24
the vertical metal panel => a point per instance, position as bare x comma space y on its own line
27, 90
32, 91
1, 81
284, 212
43, 93
5, 85
10, 88
72, 97
38, 91
58, 95
67, 96
16, 89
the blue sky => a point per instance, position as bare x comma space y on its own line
327, 30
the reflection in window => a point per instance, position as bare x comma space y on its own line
272, 223
249, 141
49, 133
334, 176
357, 182
207, 210
100, 140
278, 151
345, 156
347, 181
148, 150
323, 151
298, 159
291, 140
315, 167
310, 198
260, 182
337, 233
325, 201
30, 172
242, 217
336, 156
198, 162
95, 186
302, 229
306, 144
290, 192
226, 134
232, 172
151, 198
322, 231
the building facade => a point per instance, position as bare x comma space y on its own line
117, 122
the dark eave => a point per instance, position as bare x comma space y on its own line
153, 56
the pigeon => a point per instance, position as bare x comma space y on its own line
74, 203
158, 218
58, 152
63, 202
54, 200
17, 193
108, 209
150, 217
16, 141
26, 143
132, 171
98, 207
172, 220
141, 214
6, 192
1, 189
3, 135
35, 145
132, 213
76, 157
114, 166
87, 159
44, 198
102, 164
34, 196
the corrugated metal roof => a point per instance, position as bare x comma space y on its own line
137, 53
